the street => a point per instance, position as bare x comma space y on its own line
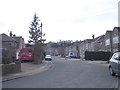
67, 74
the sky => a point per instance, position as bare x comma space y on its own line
62, 19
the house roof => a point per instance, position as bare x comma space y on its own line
99, 38
118, 28
6, 38
18, 39
89, 40
109, 31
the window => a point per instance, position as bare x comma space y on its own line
115, 40
101, 43
116, 56
107, 42
114, 50
86, 46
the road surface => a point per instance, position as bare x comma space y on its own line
67, 74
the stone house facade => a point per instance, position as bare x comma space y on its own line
116, 39
12, 45
108, 42
50, 50
94, 44
112, 40
98, 43
73, 49
85, 45
20, 44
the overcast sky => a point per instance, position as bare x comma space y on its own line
62, 19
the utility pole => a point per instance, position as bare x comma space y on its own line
42, 35
41, 30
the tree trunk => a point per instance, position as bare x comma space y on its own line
38, 53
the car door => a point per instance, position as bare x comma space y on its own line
114, 62
118, 58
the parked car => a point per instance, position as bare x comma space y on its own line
27, 54
114, 66
48, 57
67, 56
72, 56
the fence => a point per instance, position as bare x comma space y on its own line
97, 55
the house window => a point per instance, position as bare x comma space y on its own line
107, 42
101, 43
91, 45
114, 50
86, 46
115, 40
83, 47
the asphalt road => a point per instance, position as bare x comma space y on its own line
67, 74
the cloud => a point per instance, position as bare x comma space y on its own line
62, 19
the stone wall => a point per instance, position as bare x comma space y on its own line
11, 68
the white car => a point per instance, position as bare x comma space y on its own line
114, 66
48, 57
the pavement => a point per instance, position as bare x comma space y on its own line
87, 61
28, 68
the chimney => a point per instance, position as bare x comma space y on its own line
10, 33
14, 35
93, 36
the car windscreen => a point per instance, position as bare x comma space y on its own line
27, 50
118, 56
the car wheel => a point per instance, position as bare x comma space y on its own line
111, 71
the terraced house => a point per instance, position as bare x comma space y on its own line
108, 42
